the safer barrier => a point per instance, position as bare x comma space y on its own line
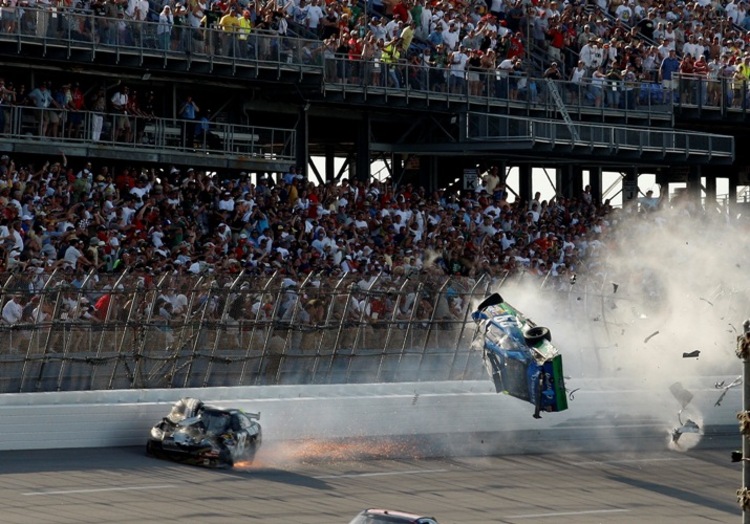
460, 418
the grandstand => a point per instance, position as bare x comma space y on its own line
271, 96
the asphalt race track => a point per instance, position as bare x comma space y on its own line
325, 482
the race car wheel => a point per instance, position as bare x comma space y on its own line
536, 334
149, 448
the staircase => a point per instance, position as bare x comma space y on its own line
552, 89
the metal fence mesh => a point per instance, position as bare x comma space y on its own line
133, 333
137, 332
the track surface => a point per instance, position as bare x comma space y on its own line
321, 482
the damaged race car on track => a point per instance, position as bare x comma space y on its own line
203, 435
520, 357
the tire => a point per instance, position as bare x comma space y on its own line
149, 448
536, 334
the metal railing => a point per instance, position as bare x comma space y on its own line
715, 94
75, 30
493, 88
615, 139
145, 133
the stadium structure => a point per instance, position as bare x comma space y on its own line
279, 103
282, 102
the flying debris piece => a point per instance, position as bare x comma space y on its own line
596, 319
720, 385
414, 399
571, 394
573, 279
688, 427
682, 395
692, 354
652, 335
615, 285
707, 301
733, 328
736, 382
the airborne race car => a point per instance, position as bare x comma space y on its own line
520, 357
206, 436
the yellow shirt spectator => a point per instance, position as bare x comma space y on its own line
245, 25
229, 22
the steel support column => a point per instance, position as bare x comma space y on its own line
595, 181
330, 165
710, 191
694, 184
630, 185
362, 171
734, 180
302, 144
524, 182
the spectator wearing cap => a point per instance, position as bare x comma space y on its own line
94, 253
435, 38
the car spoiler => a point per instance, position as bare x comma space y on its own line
255, 416
492, 300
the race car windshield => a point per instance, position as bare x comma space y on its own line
215, 423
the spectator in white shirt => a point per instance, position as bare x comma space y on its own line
13, 310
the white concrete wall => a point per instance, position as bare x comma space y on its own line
117, 418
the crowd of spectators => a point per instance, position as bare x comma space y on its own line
608, 47
74, 224
76, 218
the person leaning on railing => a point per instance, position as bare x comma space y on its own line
391, 54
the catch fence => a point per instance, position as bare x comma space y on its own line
105, 332
102, 333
